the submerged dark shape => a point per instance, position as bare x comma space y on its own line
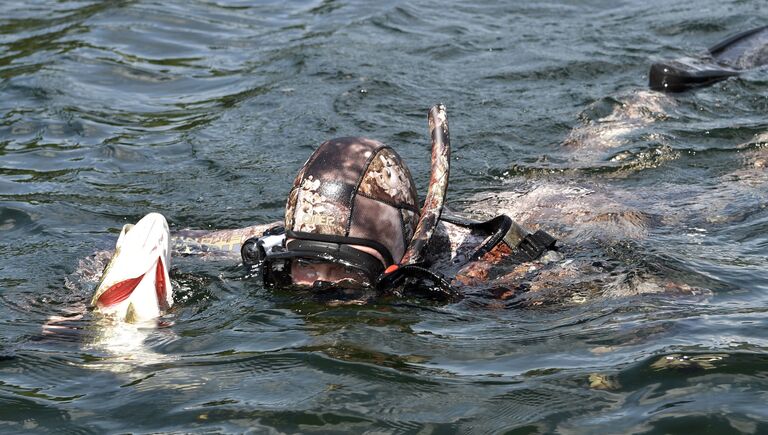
728, 58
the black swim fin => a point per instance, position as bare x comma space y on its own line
728, 58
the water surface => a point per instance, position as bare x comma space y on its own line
205, 110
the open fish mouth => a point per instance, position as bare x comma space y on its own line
135, 286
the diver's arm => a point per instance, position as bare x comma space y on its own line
223, 243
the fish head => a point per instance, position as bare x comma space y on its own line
135, 286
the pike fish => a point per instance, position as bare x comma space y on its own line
135, 286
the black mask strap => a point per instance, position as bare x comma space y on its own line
342, 240
334, 252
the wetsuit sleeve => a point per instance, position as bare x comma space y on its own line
224, 243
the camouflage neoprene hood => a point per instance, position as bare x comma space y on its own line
354, 191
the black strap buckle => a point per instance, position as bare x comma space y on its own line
533, 245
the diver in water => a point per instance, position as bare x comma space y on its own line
352, 223
352, 220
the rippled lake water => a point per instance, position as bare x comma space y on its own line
205, 110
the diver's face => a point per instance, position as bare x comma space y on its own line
307, 273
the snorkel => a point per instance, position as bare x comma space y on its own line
501, 230
413, 261
438, 186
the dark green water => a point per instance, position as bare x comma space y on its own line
205, 110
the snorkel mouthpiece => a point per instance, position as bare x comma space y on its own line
135, 286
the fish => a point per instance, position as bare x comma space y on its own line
135, 286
